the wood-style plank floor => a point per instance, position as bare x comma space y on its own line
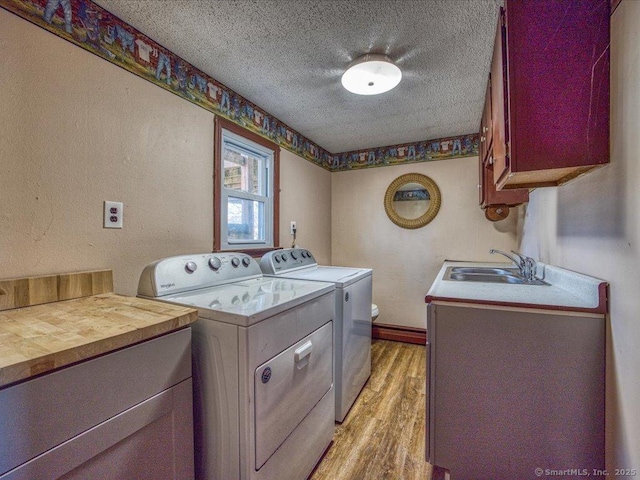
383, 436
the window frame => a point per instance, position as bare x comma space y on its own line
221, 124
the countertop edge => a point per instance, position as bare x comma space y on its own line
600, 309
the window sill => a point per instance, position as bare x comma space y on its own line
254, 252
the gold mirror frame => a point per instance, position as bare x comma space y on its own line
434, 197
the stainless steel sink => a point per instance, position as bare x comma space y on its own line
485, 270
489, 275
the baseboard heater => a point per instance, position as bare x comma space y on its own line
399, 333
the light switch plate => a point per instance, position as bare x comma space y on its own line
113, 213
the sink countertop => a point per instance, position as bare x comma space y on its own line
567, 290
43, 337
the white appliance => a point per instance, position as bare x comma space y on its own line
262, 364
352, 323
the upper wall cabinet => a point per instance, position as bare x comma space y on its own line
495, 203
549, 92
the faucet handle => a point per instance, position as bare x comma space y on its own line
520, 256
529, 265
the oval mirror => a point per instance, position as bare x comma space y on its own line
412, 200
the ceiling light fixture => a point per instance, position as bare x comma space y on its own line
371, 74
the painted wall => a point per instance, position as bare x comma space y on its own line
305, 197
405, 262
76, 131
591, 225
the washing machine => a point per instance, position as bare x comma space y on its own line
262, 364
352, 323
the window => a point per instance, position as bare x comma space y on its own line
245, 189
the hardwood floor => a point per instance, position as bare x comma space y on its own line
383, 435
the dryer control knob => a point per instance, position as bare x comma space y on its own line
235, 262
276, 258
294, 255
191, 267
246, 262
284, 257
215, 263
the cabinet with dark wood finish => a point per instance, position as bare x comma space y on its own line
492, 200
550, 91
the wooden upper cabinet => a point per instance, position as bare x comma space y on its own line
499, 106
488, 195
486, 134
550, 91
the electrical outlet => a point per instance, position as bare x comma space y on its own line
293, 226
113, 212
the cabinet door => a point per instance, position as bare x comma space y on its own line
555, 55
499, 105
486, 135
515, 390
486, 128
494, 197
481, 181
149, 441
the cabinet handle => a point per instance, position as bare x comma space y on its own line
483, 138
490, 160
485, 129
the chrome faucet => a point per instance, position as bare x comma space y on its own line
526, 265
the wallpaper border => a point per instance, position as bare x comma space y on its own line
91, 27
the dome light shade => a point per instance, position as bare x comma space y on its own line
371, 74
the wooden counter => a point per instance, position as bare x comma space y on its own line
41, 338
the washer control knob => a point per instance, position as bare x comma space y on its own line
246, 262
215, 263
235, 262
284, 257
294, 255
276, 258
191, 267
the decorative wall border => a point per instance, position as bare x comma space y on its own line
438, 149
96, 30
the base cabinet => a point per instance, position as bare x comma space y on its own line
512, 391
122, 416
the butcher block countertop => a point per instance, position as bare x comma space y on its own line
81, 319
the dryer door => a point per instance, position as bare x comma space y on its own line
288, 386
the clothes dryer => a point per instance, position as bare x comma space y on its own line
262, 364
352, 322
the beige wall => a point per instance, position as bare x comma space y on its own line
405, 262
76, 131
591, 225
305, 197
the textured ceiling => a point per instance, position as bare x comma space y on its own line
288, 56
